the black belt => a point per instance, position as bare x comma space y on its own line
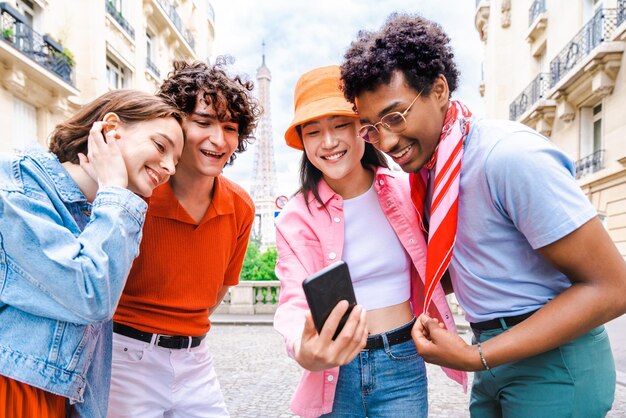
165, 341
393, 337
495, 323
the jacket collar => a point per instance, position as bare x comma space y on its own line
164, 203
66, 187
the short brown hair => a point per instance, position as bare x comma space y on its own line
230, 96
69, 138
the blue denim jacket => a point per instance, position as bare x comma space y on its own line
63, 266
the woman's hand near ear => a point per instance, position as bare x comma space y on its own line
104, 162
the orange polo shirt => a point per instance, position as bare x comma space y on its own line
182, 264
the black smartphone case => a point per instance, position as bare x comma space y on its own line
325, 289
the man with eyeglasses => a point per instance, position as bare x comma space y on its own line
530, 263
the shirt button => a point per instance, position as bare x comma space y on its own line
381, 182
337, 219
411, 241
330, 378
332, 255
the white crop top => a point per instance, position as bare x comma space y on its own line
379, 266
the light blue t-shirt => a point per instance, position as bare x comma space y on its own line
517, 193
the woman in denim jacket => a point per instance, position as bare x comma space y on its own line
70, 226
351, 207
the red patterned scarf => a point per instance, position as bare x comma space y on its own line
446, 161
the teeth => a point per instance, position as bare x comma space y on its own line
334, 156
403, 152
211, 153
153, 175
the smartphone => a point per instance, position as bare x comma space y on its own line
325, 289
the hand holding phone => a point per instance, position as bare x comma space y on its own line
324, 290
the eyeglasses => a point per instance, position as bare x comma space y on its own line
393, 122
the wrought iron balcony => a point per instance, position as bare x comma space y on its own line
41, 49
152, 67
596, 31
538, 7
621, 11
117, 16
178, 23
590, 164
532, 93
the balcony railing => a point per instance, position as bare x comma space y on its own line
596, 31
590, 164
152, 67
178, 23
621, 11
538, 7
41, 49
117, 15
532, 93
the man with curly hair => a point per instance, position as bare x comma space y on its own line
194, 241
528, 259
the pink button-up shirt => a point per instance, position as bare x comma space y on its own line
310, 239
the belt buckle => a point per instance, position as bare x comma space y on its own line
184, 344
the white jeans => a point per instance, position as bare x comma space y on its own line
149, 381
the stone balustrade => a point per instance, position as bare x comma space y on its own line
261, 297
251, 297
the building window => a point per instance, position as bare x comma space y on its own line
597, 128
24, 124
117, 75
149, 47
150, 55
591, 152
27, 8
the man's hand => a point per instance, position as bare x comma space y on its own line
317, 352
438, 346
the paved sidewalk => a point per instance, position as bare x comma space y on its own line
258, 378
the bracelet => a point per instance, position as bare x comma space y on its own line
482, 358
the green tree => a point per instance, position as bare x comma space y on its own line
259, 265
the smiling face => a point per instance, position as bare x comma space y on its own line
151, 150
209, 143
333, 147
414, 146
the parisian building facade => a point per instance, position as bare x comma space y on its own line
559, 67
56, 55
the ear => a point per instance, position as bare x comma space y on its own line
112, 120
440, 91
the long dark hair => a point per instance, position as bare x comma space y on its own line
310, 175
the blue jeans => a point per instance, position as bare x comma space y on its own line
387, 382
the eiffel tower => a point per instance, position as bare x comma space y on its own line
264, 173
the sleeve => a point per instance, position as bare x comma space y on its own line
531, 182
231, 277
292, 305
49, 271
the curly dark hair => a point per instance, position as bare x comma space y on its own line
416, 46
230, 97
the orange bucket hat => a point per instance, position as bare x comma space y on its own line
317, 95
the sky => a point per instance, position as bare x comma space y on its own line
300, 35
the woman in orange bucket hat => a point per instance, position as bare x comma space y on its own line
351, 207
